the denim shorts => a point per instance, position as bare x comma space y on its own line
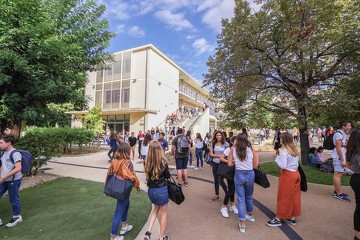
181, 163
159, 196
337, 165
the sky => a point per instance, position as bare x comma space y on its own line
184, 30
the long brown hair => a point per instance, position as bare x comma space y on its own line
147, 139
155, 160
242, 143
214, 139
287, 143
123, 151
353, 146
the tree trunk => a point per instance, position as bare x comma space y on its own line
304, 145
16, 129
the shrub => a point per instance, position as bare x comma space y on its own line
45, 143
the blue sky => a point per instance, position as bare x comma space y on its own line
184, 30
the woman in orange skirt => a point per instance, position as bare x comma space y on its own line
289, 195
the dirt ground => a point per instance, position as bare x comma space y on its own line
35, 180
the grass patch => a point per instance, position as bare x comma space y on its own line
313, 175
69, 208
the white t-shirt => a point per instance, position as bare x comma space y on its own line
227, 152
339, 135
144, 149
287, 162
198, 143
247, 163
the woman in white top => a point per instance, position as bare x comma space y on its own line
245, 160
199, 146
289, 195
145, 146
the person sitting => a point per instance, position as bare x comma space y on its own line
313, 158
319, 153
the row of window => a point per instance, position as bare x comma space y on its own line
114, 96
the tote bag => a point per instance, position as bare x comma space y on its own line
175, 192
303, 182
225, 171
261, 178
117, 187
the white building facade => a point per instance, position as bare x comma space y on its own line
141, 87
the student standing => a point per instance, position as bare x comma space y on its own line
11, 177
157, 172
353, 162
180, 150
217, 148
339, 159
245, 159
145, 146
164, 144
122, 167
188, 135
132, 141
289, 195
199, 146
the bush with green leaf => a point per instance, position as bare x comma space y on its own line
45, 143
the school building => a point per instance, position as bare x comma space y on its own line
140, 88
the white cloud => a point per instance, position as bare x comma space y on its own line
116, 9
120, 28
176, 21
216, 11
189, 37
202, 46
135, 31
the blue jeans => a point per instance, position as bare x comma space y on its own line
120, 215
190, 158
244, 186
13, 190
198, 153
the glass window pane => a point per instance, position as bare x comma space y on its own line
99, 76
126, 65
98, 98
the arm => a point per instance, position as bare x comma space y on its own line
339, 152
230, 159
223, 158
281, 160
255, 159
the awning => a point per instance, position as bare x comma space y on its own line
115, 111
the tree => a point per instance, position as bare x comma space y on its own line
46, 47
94, 121
290, 51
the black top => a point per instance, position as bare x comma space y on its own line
132, 141
161, 181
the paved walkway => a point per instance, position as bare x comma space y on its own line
323, 217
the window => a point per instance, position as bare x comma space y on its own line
125, 95
112, 96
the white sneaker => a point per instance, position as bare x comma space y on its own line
126, 229
224, 212
196, 168
14, 221
249, 218
119, 238
0, 222
233, 209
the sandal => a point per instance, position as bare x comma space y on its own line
214, 198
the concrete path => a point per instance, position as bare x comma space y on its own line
323, 217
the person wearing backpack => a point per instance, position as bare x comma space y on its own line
181, 150
11, 177
338, 156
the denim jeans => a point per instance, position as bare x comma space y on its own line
120, 215
13, 190
199, 158
244, 186
190, 158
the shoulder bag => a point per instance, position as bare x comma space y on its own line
225, 171
118, 187
175, 192
261, 178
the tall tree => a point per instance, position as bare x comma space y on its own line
46, 47
291, 51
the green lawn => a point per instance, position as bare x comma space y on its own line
69, 208
313, 175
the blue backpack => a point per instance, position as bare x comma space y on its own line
26, 161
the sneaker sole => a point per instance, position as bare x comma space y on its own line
342, 199
274, 225
14, 224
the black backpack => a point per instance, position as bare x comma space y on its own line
329, 141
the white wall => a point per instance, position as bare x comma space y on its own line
89, 89
137, 89
202, 126
162, 98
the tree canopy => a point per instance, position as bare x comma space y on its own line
293, 52
46, 47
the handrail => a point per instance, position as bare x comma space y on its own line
195, 121
166, 117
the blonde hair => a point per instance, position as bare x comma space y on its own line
287, 143
155, 160
123, 151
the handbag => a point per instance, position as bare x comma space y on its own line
225, 171
303, 182
117, 187
261, 178
208, 159
175, 192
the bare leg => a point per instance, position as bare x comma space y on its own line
162, 220
153, 217
185, 175
179, 174
337, 182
